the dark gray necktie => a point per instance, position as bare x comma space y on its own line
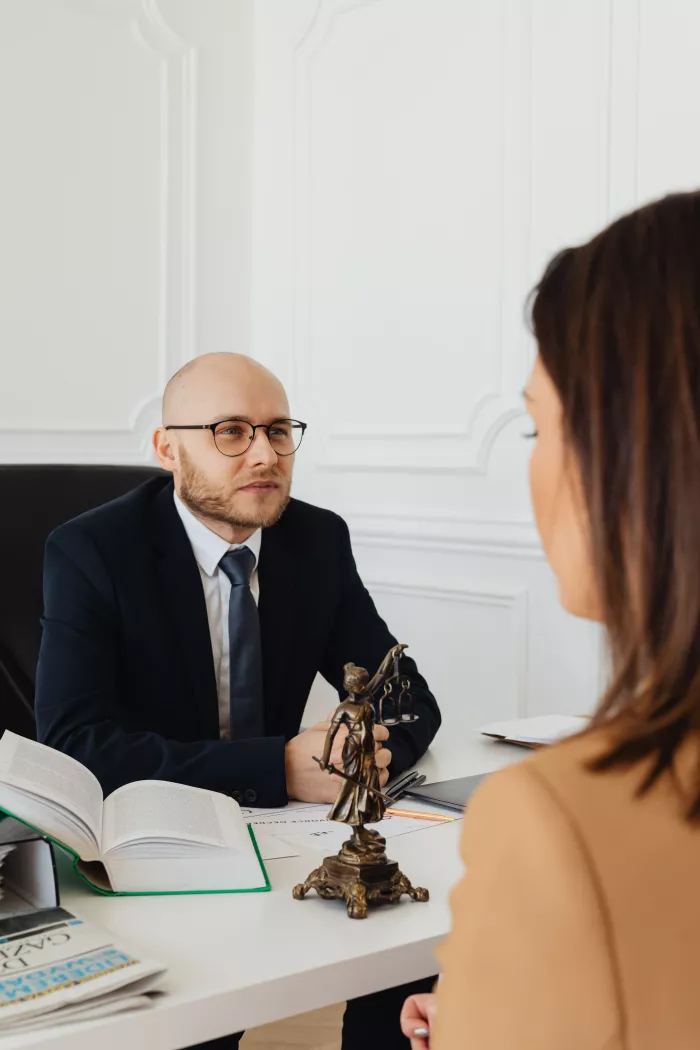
245, 663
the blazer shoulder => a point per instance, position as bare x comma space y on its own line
604, 809
518, 790
568, 770
120, 520
555, 780
521, 814
307, 518
531, 891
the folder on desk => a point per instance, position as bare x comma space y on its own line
536, 732
149, 837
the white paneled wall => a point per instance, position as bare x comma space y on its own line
124, 213
361, 193
416, 164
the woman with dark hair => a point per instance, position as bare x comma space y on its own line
577, 926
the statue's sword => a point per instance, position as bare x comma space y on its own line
357, 783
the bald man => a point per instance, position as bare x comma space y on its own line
185, 622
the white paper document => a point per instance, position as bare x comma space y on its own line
307, 826
273, 848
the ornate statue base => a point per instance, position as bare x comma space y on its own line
360, 874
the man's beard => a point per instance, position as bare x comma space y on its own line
217, 504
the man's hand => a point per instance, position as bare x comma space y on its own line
306, 781
419, 1012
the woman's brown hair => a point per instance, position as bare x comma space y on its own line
617, 322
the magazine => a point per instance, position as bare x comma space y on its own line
56, 968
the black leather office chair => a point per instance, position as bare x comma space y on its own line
33, 501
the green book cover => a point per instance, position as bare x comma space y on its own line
94, 874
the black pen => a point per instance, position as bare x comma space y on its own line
407, 778
399, 789
414, 783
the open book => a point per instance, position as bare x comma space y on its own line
147, 837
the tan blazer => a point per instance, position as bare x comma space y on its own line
577, 926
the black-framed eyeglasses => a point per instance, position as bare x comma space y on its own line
233, 437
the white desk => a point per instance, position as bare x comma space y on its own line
239, 961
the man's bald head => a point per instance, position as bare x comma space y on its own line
214, 386
233, 495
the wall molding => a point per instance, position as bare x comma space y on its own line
177, 154
443, 533
179, 87
452, 447
513, 600
477, 546
624, 28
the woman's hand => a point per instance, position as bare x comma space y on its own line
419, 1012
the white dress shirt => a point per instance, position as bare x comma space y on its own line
208, 550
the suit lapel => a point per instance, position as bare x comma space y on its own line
277, 608
184, 602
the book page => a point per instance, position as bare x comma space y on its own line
46, 774
151, 811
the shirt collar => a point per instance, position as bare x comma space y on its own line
209, 548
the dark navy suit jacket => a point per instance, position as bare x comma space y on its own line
126, 681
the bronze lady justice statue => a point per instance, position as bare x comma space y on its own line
360, 873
